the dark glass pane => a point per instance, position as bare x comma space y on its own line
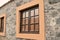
2, 22
26, 20
32, 12
26, 28
36, 11
36, 27
32, 28
32, 20
36, 19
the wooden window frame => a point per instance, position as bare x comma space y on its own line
4, 29
41, 35
29, 24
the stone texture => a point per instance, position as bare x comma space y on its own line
58, 21
52, 19
53, 1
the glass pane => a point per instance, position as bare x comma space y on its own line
26, 28
27, 14
36, 19
23, 14
22, 28
2, 22
32, 28
23, 21
32, 20
26, 20
36, 27
36, 12
32, 12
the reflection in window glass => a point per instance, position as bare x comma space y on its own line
27, 14
23, 21
36, 12
36, 27
36, 19
26, 20
26, 28
32, 28
32, 20
23, 15
22, 28
32, 12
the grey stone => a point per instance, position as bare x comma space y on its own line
58, 21
54, 13
58, 35
53, 1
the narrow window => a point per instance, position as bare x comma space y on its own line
1, 24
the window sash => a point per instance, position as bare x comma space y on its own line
26, 20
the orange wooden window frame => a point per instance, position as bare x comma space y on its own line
41, 35
4, 30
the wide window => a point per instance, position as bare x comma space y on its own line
30, 20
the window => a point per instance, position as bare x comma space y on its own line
30, 20
2, 24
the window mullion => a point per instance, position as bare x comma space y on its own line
34, 19
25, 23
29, 21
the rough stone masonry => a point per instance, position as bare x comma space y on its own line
52, 19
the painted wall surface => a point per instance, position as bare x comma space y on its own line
52, 19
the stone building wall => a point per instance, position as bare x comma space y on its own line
52, 19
